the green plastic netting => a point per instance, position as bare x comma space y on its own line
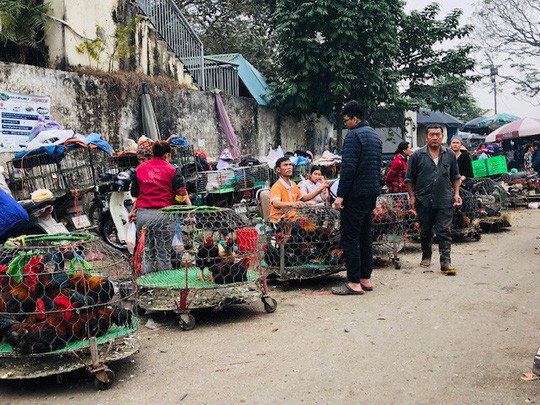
177, 279
114, 332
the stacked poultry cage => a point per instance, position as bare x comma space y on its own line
33, 172
392, 218
76, 168
189, 258
302, 244
183, 157
521, 188
65, 304
493, 204
232, 179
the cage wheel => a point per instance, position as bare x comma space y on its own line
186, 322
270, 304
104, 379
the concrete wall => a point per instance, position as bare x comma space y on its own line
87, 103
75, 20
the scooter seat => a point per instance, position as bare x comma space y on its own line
30, 205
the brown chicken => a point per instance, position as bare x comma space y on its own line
60, 327
98, 288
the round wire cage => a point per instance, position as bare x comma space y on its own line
465, 223
302, 244
198, 257
392, 219
64, 293
493, 204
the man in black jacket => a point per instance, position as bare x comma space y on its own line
359, 187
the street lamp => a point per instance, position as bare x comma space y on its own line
493, 72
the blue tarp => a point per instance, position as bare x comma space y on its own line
251, 77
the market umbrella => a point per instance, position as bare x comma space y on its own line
473, 127
426, 117
517, 129
150, 125
498, 120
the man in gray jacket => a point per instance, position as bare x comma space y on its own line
433, 180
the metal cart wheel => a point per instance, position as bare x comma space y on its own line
477, 236
270, 304
397, 264
186, 322
104, 379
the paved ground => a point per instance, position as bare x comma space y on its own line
418, 338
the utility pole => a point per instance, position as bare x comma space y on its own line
493, 72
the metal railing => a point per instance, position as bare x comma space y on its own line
171, 24
173, 27
220, 75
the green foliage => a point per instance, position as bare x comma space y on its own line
451, 95
21, 22
234, 26
430, 74
332, 51
113, 47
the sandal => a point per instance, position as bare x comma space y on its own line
366, 288
345, 289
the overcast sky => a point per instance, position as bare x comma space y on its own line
506, 102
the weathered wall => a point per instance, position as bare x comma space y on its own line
99, 104
75, 20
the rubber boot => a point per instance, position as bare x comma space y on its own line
426, 254
446, 263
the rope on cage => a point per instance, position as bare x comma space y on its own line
76, 202
136, 260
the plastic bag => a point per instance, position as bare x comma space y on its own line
178, 241
273, 156
131, 237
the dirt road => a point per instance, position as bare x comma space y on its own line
419, 338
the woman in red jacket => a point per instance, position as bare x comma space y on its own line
158, 184
395, 179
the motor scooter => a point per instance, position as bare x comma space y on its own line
41, 218
113, 221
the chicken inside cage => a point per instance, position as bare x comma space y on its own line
303, 237
56, 292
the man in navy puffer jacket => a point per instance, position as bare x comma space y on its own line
359, 187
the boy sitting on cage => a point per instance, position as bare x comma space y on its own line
285, 193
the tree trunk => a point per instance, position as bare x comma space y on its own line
21, 54
339, 130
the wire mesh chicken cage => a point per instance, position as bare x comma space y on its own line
392, 218
492, 204
299, 173
521, 188
76, 169
465, 223
235, 179
66, 303
302, 244
33, 172
189, 258
182, 155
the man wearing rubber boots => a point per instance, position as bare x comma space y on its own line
432, 181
